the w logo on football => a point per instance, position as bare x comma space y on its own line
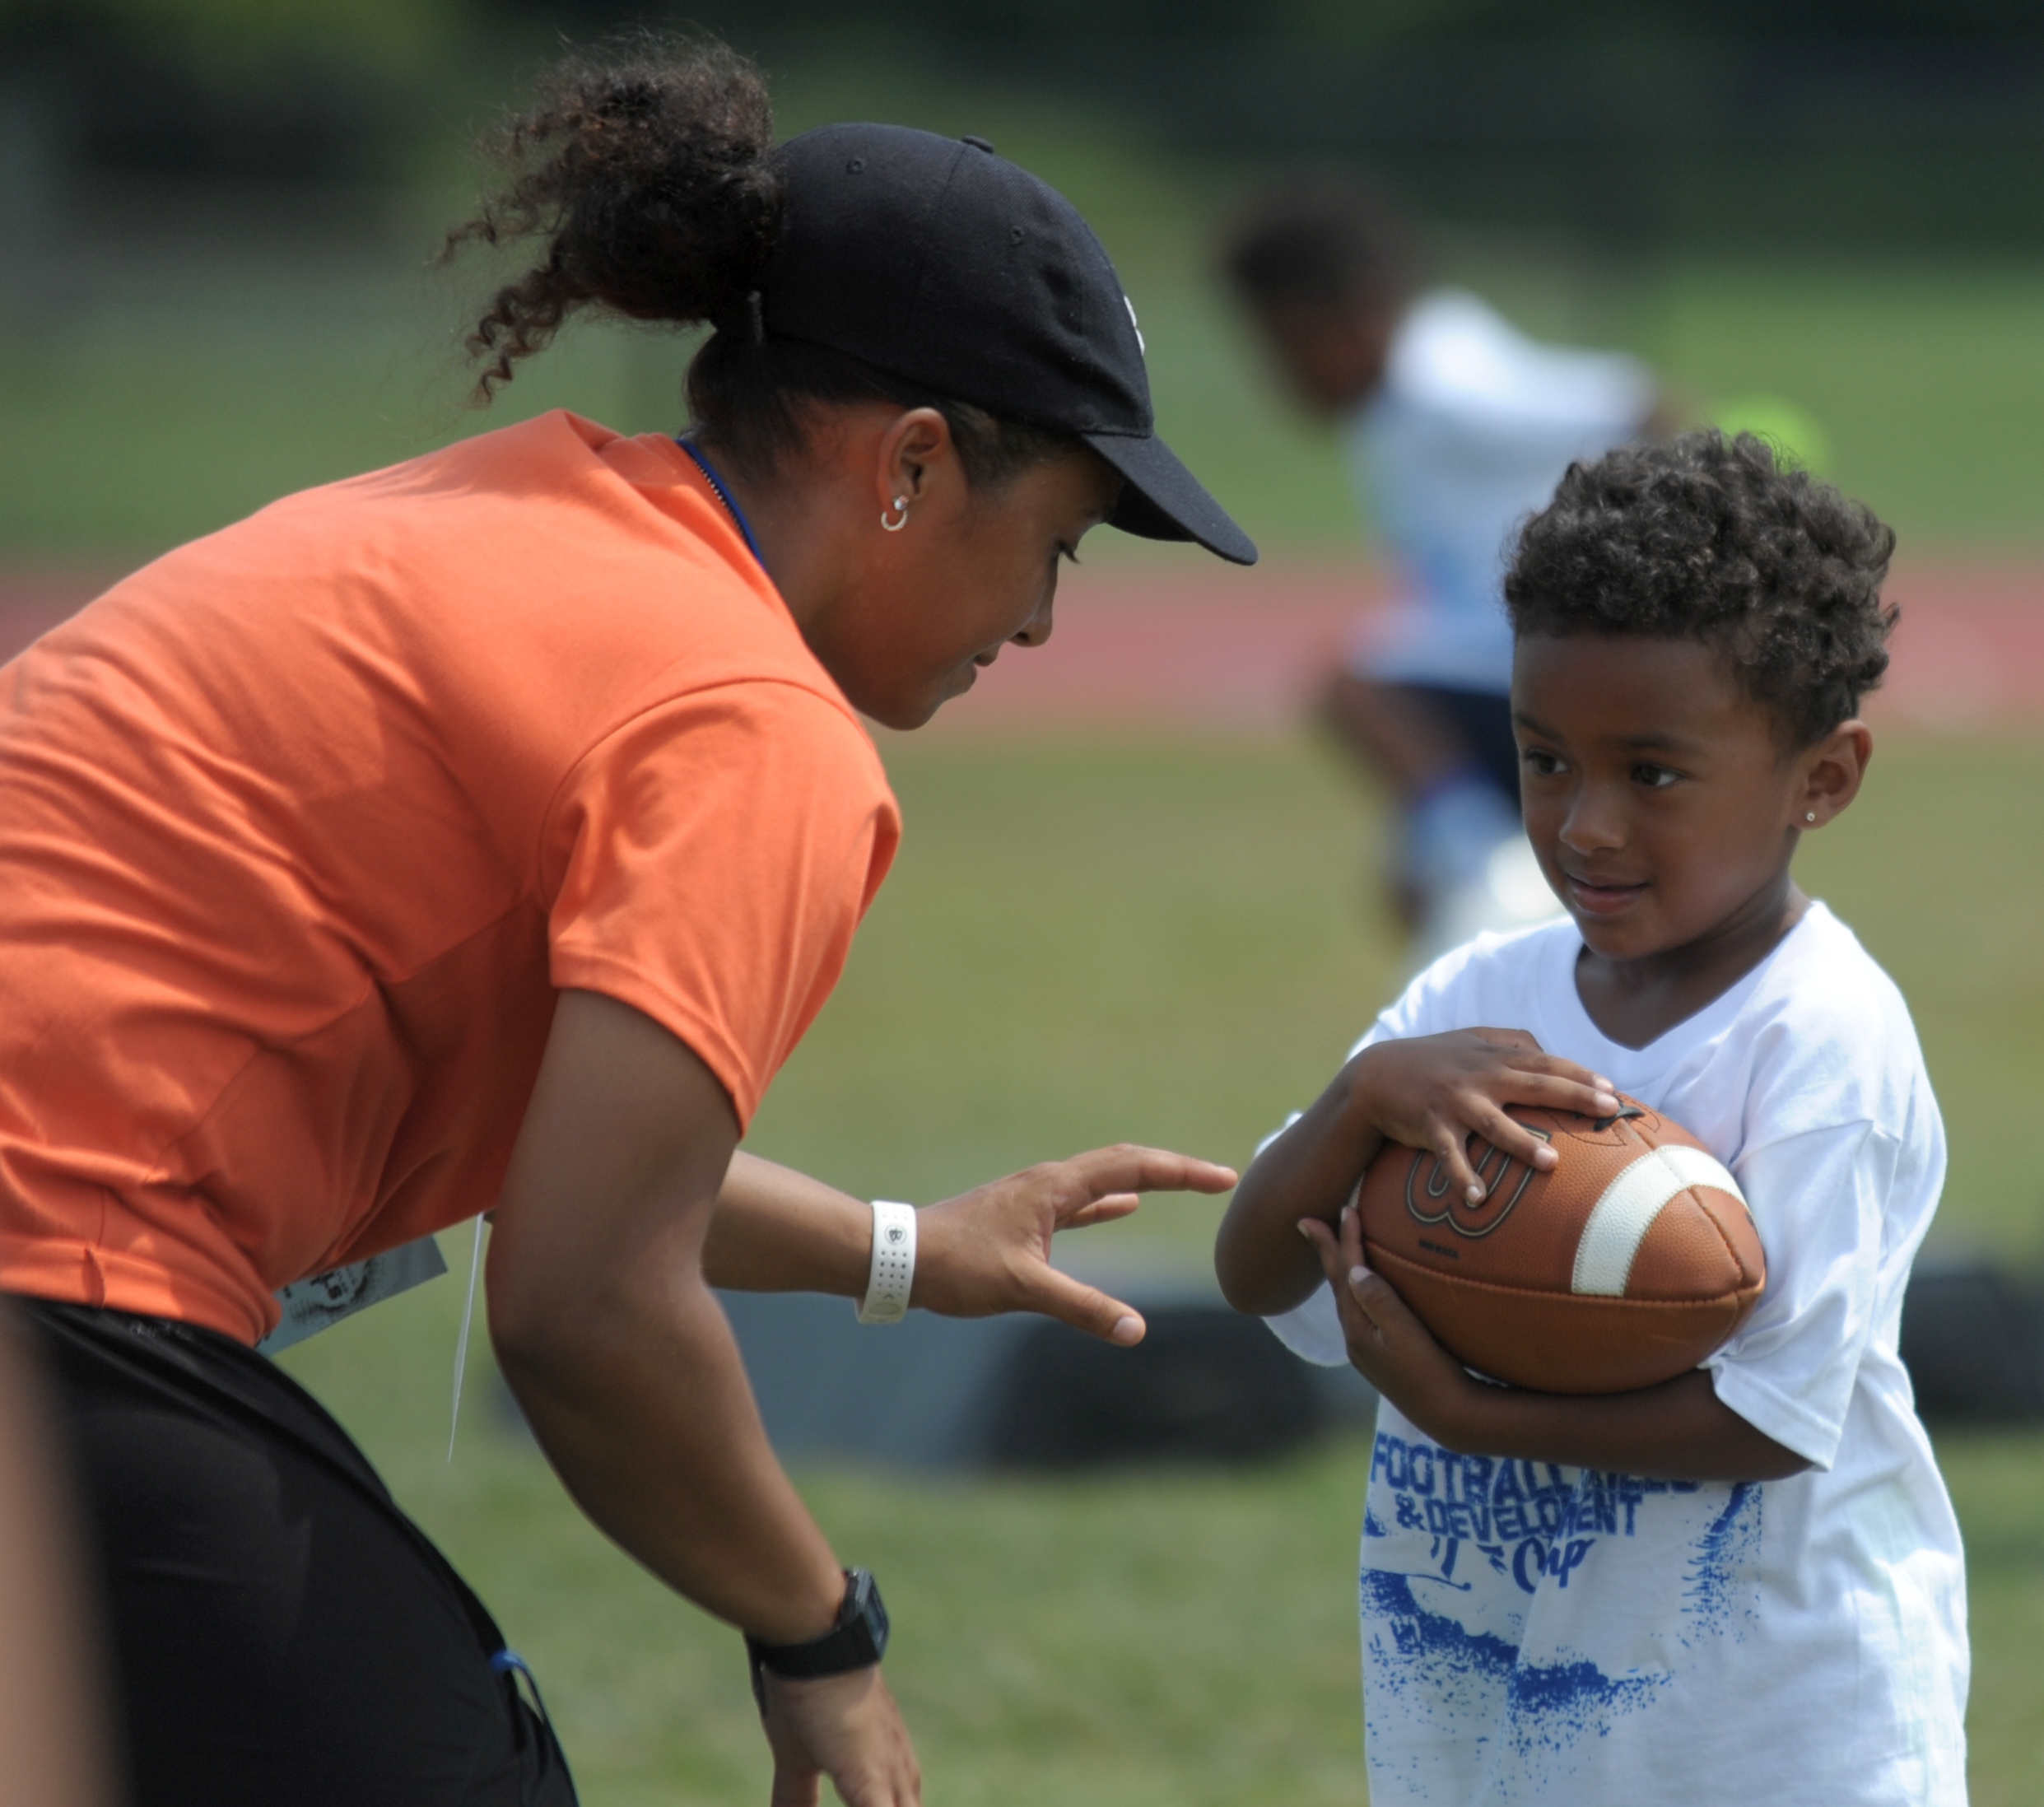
1432, 1198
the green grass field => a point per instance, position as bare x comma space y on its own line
1164, 940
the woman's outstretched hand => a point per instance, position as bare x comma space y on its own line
989, 1250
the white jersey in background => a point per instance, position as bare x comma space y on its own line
1536, 1633
1470, 431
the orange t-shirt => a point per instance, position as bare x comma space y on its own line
302, 826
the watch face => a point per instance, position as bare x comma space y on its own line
858, 1640
863, 1607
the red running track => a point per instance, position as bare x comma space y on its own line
1211, 648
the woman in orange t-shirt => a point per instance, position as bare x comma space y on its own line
483, 833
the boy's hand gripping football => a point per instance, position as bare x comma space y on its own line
1388, 1345
1433, 1092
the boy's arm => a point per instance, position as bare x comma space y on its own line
1307, 1170
1679, 1431
1427, 1092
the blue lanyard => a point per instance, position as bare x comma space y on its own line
724, 495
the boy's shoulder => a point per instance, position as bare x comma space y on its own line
1470, 985
1823, 983
1828, 1030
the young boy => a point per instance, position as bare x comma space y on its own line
1744, 1585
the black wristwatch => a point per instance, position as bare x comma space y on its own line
857, 1641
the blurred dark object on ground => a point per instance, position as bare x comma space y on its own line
1205, 1385
1973, 1341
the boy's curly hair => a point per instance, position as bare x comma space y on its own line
1710, 538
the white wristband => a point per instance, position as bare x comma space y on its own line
893, 1270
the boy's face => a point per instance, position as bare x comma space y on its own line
1658, 796
1331, 355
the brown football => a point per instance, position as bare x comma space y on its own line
1626, 1263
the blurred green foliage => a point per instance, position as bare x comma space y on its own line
249, 37
1327, 23
1836, 123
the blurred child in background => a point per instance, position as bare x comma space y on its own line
1456, 427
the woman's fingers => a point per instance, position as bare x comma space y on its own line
1126, 1167
1056, 1294
1115, 1204
844, 1726
984, 1251
795, 1784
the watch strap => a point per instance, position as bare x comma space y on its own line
857, 1641
892, 1275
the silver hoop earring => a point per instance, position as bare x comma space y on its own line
901, 509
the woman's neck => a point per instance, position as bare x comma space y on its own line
790, 524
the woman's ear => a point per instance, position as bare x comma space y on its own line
916, 457
1831, 772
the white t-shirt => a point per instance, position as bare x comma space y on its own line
1537, 1633
1470, 431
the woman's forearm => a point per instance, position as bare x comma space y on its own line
778, 1231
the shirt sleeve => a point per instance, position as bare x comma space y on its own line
709, 860
1478, 369
1818, 1200
1573, 396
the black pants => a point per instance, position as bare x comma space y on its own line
280, 1633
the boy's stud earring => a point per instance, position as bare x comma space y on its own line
1809, 815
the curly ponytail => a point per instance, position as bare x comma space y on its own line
644, 169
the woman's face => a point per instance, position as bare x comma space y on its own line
919, 612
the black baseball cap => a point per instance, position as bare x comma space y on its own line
944, 264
